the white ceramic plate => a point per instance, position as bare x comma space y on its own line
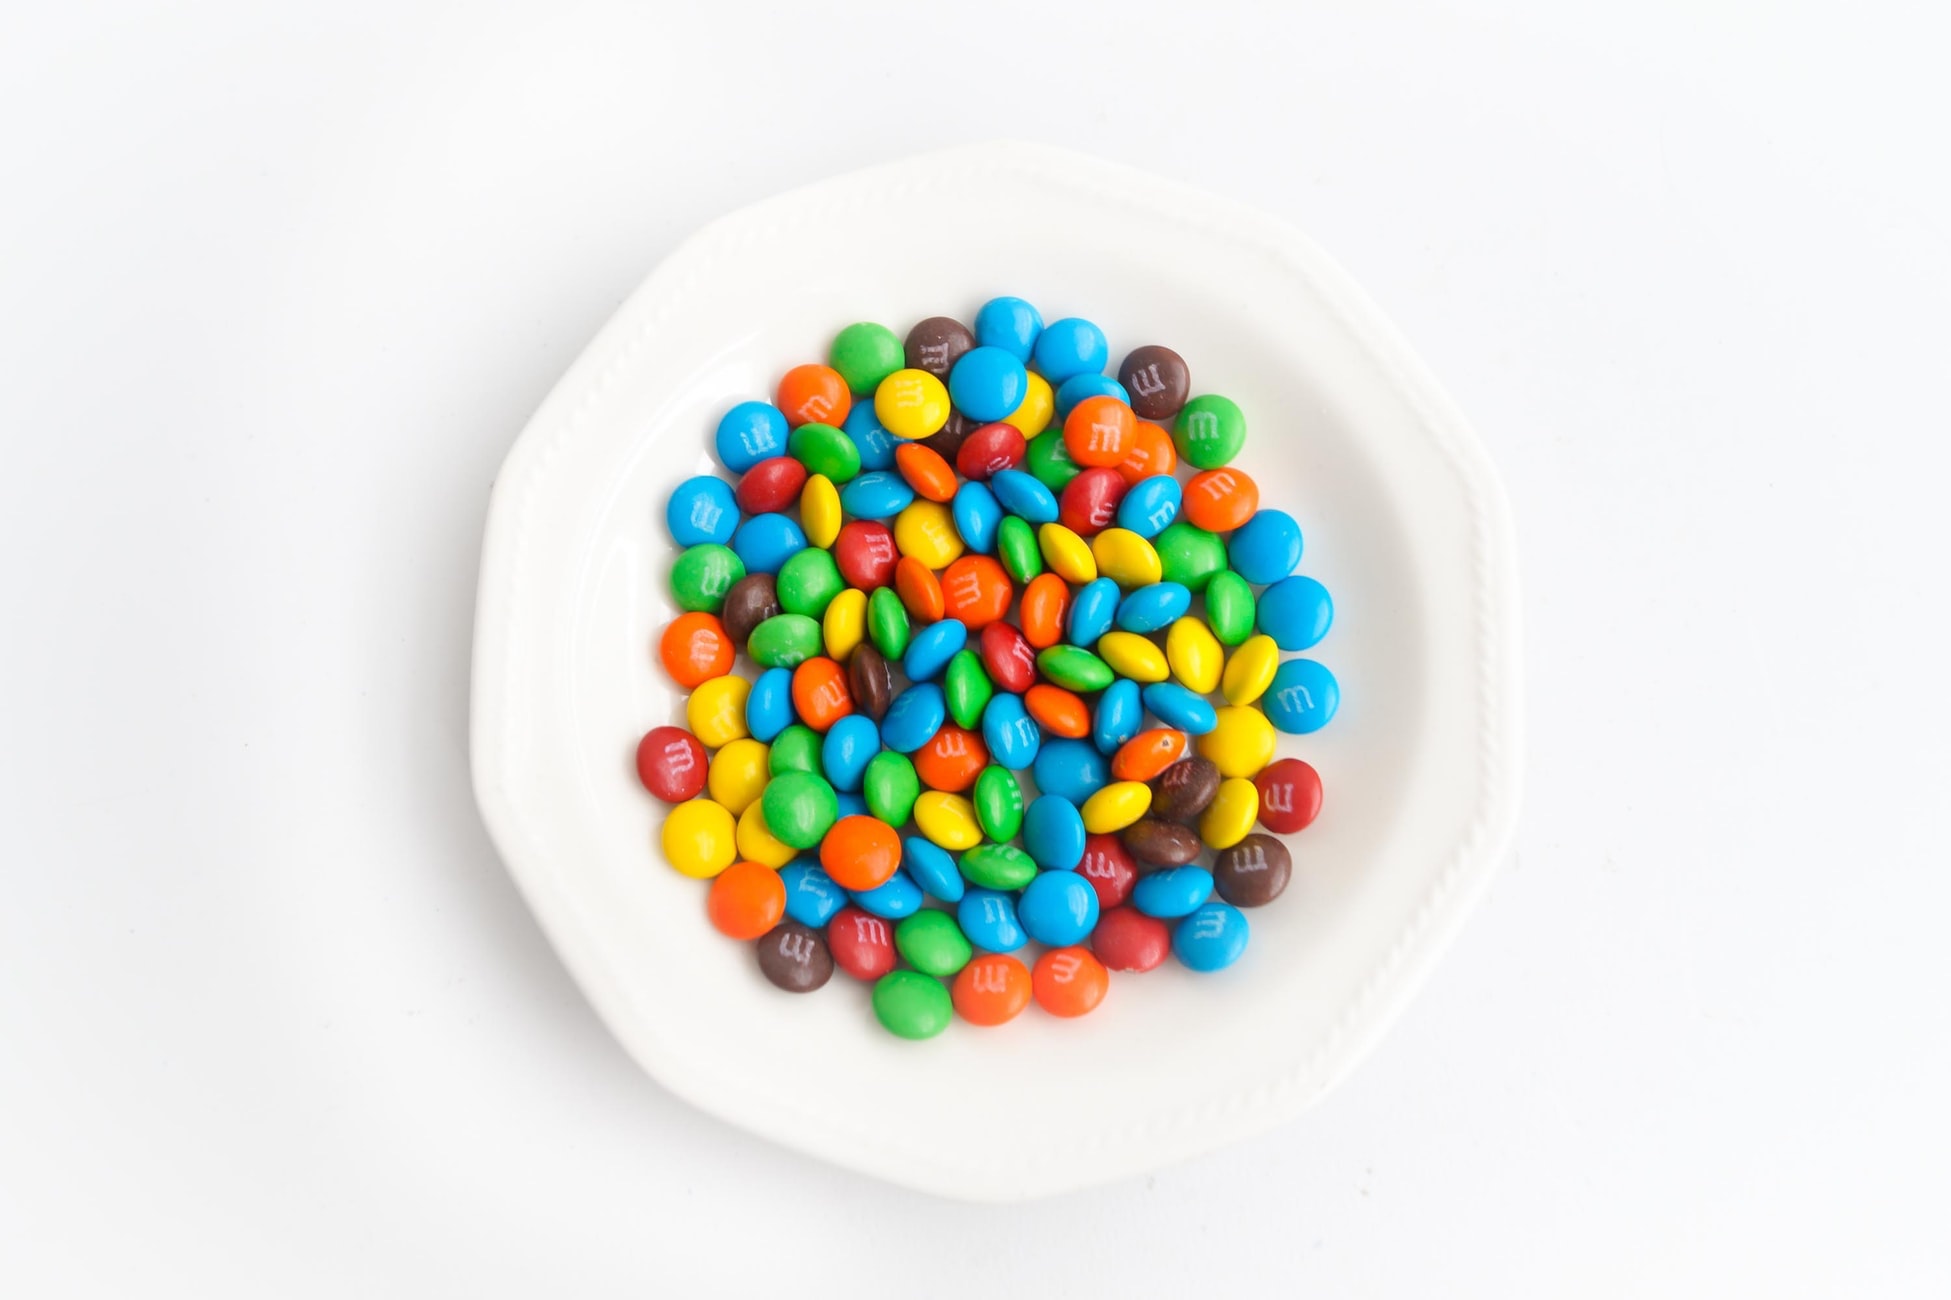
1404, 522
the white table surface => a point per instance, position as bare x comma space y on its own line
278, 290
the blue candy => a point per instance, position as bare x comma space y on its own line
811, 896
769, 704
764, 542
1024, 496
848, 804
933, 868
1211, 938
1303, 697
877, 494
702, 509
1053, 833
1011, 734
1058, 908
932, 648
875, 444
987, 384
1078, 387
1151, 504
1071, 346
1175, 891
1010, 324
977, 516
848, 746
1070, 769
1092, 612
1120, 715
893, 898
1154, 608
1176, 706
988, 919
1266, 548
913, 719
749, 433
1295, 612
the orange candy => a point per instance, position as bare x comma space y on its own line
952, 760
1151, 453
927, 473
1069, 981
975, 590
814, 394
992, 989
1147, 754
820, 693
915, 583
1045, 602
1100, 431
746, 900
1220, 500
1058, 710
860, 853
695, 649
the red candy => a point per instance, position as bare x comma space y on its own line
671, 764
990, 448
1290, 795
862, 944
1109, 867
866, 554
1090, 501
976, 591
1007, 658
1127, 939
770, 486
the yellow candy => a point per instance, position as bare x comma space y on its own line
1230, 815
738, 775
698, 838
819, 510
1133, 656
1116, 806
1251, 670
947, 820
1126, 558
757, 843
716, 711
1241, 743
911, 404
926, 531
1039, 404
1067, 554
1195, 656
844, 624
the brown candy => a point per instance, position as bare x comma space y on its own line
947, 442
871, 680
794, 957
1182, 791
1157, 380
1253, 872
752, 600
936, 344
1161, 844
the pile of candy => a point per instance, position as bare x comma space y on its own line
994, 473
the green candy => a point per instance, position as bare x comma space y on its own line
702, 576
784, 641
808, 581
997, 866
824, 449
887, 623
998, 803
1229, 607
865, 354
1210, 431
933, 943
967, 689
890, 787
796, 749
1016, 545
1049, 462
1073, 668
800, 808
1189, 556
912, 1005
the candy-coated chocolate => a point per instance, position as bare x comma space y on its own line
695, 648
888, 623
1023, 496
1153, 608
1058, 711
1176, 706
920, 590
746, 899
1007, 656
947, 820
764, 542
1147, 754
1120, 715
1069, 769
1250, 671
1058, 908
858, 852
820, 513
1071, 346
932, 648
926, 531
1089, 503
966, 688
671, 764
933, 944
1093, 610
799, 809
1195, 655
702, 509
1186, 789
1099, 431
1151, 454
1173, 891
988, 918
988, 383
1053, 833
1046, 604
864, 354
1209, 431
1230, 816
1127, 939
820, 694
997, 866
1220, 500
1266, 548
991, 990
1012, 736
1241, 742
1189, 555
1253, 872
1048, 459
1016, 547
1069, 982
813, 394
865, 553
1074, 668
1160, 843
951, 760
1033, 415
911, 404
748, 434
1116, 806
913, 719
844, 624
796, 749
822, 449
812, 899
850, 745
1157, 379
890, 787
1110, 868
877, 494
912, 1005
977, 516
1010, 324
1230, 607
703, 574
1211, 938
869, 680
892, 899
998, 800
928, 471
1296, 612
1131, 655
715, 713
947, 441
936, 344
1150, 506
1290, 795
699, 838
794, 957
1126, 558
808, 581
738, 775
862, 944
1302, 699
1078, 387
933, 868
784, 640
875, 444
976, 591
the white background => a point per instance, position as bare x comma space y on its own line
277, 290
